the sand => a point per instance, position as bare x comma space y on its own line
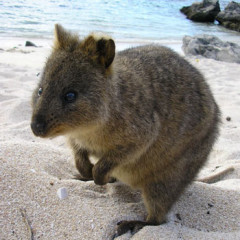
32, 170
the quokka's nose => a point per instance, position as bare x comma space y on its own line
38, 126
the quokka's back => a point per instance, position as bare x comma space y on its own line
145, 113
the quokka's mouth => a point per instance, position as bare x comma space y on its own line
44, 131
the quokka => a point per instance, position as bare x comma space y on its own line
145, 113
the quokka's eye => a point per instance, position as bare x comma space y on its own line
70, 97
40, 90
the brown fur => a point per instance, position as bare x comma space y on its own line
151, 120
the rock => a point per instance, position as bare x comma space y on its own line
230, 17
205, 11
211, 47
30, 44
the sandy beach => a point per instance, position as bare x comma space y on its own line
32, 170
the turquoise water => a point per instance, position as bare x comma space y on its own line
122, 19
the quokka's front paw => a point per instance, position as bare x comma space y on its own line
100, 177
81, 178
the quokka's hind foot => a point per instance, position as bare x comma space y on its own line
125, 226
132, 226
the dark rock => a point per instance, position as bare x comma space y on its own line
230, 17
211, 47
205, 11
30, 44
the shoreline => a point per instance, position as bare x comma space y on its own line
121, 44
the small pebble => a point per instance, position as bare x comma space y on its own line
210, 205
62, 193
228, 118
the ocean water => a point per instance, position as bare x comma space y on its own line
123, 19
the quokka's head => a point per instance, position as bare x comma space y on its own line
72, 91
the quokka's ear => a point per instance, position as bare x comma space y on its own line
65, 40
99, 49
